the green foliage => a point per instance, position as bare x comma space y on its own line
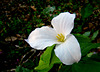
86, 47
0, 22
82, 39
48, 10
22, 69
54, 59
85, 65
86, 11
25, 19
96, 57
90, 54
85, 43
87, 33
97, 2
47, 60
78, 29
65, 68
29, 64
95, 34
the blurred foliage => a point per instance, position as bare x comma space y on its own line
86, 10
18, 18
22, 69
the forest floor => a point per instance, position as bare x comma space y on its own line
19, 17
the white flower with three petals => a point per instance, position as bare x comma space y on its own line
67, 48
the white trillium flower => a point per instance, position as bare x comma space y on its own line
67, 48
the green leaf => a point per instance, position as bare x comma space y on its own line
86, 47
82, 39
90, 54
86, 66
95, 34
85, 43
54, 59
45, 69
47, 60
87, 33
48, 9
86, 11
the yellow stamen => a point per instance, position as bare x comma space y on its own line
60, 37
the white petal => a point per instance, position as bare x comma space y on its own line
63, 23
42, 37
69, 51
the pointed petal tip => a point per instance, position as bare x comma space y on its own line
40, 38
26, 40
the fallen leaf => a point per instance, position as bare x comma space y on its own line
33, 7
12, 38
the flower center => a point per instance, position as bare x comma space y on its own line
60, 37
